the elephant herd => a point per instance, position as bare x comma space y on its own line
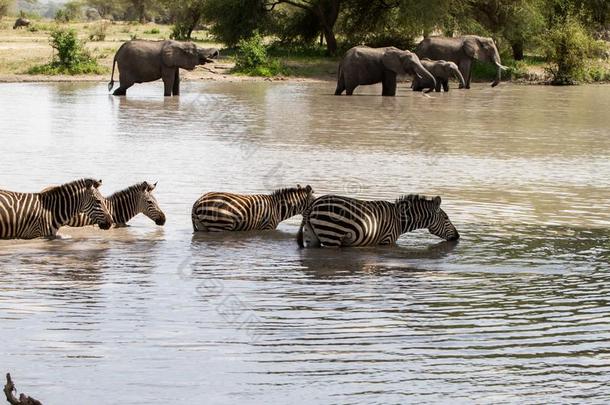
434, 62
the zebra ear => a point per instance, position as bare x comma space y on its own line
437, 202
93, 183
149, 187
308, 189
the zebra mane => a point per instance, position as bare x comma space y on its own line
76, 184
411, 198
136, 188
284, 191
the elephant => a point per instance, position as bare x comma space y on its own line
442, 71
462, 51
142, 61
362, 65
21, 22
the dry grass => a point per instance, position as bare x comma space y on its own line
24, 48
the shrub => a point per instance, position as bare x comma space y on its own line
98, 33
567, 45
153, 31
180, 32
71, 57
251, 58
5, 5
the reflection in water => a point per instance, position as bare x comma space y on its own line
517, 309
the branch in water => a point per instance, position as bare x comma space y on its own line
10, 397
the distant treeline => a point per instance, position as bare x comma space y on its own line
516, 24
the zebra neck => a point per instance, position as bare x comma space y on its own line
65, 205
123, 206
286, 207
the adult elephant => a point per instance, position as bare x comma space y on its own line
142, 61
442, 72
462, 51
362, 65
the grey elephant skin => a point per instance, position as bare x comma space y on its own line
21, 22
142, 61
442, 72
462, 51
362, 65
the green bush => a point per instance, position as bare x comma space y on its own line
5, 5
567, 45
153, 31
180, 32
71, 56
251, 58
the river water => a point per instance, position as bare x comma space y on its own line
516, 312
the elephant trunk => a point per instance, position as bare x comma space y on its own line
427, 77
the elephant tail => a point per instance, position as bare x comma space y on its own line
111, 84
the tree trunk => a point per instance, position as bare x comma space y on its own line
517, 47
331, 41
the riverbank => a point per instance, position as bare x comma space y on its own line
22, 49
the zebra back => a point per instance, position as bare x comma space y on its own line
219, 211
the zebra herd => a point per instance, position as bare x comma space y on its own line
328, 221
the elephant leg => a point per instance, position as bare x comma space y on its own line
446, 85
125, 83
439, 83
340, 85
176, 87
389, 84
466, 70
168, 76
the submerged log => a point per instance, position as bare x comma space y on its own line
10, 397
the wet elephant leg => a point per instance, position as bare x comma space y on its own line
389, 84
168, 76
125, 83
446, 85
176, 87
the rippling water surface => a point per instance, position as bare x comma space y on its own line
516, 312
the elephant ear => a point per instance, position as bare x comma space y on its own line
391, 60
179, 55
472, 47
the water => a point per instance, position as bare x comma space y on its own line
516, 312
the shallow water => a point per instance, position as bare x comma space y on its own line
516, 312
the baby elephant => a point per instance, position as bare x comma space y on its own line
442, 71
21, 22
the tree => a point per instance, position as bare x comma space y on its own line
233, 20
187, 15
327, 13
140, 10
106, 8
5, 6
517, 21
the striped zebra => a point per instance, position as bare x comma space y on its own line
240, 212
126, 204
333, 220
35, 215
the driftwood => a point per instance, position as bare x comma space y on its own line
10, 397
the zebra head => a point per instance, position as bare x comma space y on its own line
293, 201
149, 205
419, 212
94, 206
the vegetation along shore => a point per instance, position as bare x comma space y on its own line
540, 41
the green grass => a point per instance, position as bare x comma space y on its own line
83, 68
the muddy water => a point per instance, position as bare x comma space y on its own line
517, 311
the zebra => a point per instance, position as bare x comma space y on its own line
126, 204
219, 211
333, 220
35, 215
